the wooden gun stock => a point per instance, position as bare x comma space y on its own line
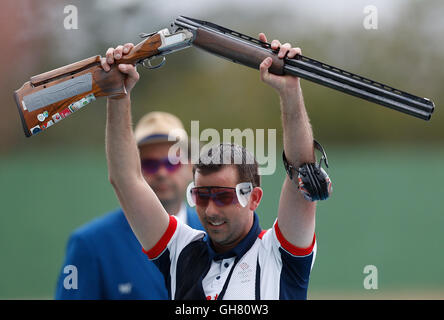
52, 96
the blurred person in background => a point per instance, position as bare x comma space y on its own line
107, 256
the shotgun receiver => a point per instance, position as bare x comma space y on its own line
52, 96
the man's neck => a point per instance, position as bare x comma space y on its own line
172, 208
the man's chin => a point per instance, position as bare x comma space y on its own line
217, 235
220, 242
164, 194
167, 202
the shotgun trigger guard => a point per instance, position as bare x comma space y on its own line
147, 63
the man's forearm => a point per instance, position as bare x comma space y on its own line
142, 209
296, 215
121, 149
297, 131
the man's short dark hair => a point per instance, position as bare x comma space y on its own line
219, 156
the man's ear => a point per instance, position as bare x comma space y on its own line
255, 198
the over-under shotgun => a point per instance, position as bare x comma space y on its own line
52, 96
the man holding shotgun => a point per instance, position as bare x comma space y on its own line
234, 259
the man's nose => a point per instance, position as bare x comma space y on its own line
162, 171
211, 208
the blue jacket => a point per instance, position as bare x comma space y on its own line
104, 260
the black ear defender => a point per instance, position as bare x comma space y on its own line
312, 180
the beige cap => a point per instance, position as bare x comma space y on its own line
156, 126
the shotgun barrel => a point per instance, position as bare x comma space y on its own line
250, 52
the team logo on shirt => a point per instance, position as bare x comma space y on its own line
245, 273
244, 266
125, 288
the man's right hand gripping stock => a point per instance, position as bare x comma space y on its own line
113, 55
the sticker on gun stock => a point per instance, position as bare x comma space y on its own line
42, 116
57, 117
62, 114
35, 130
58, 92
82, 102
47, 125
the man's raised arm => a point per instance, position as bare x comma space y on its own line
143, 210
296, 216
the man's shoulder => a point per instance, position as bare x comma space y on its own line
108, 223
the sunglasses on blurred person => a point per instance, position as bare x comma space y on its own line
152, 166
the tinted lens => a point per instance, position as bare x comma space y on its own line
224, 198
221, 196
150, 165
171, 167
200, 197
153, 165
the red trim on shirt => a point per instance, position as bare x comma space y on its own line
155, 251
262, 234
296, 251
